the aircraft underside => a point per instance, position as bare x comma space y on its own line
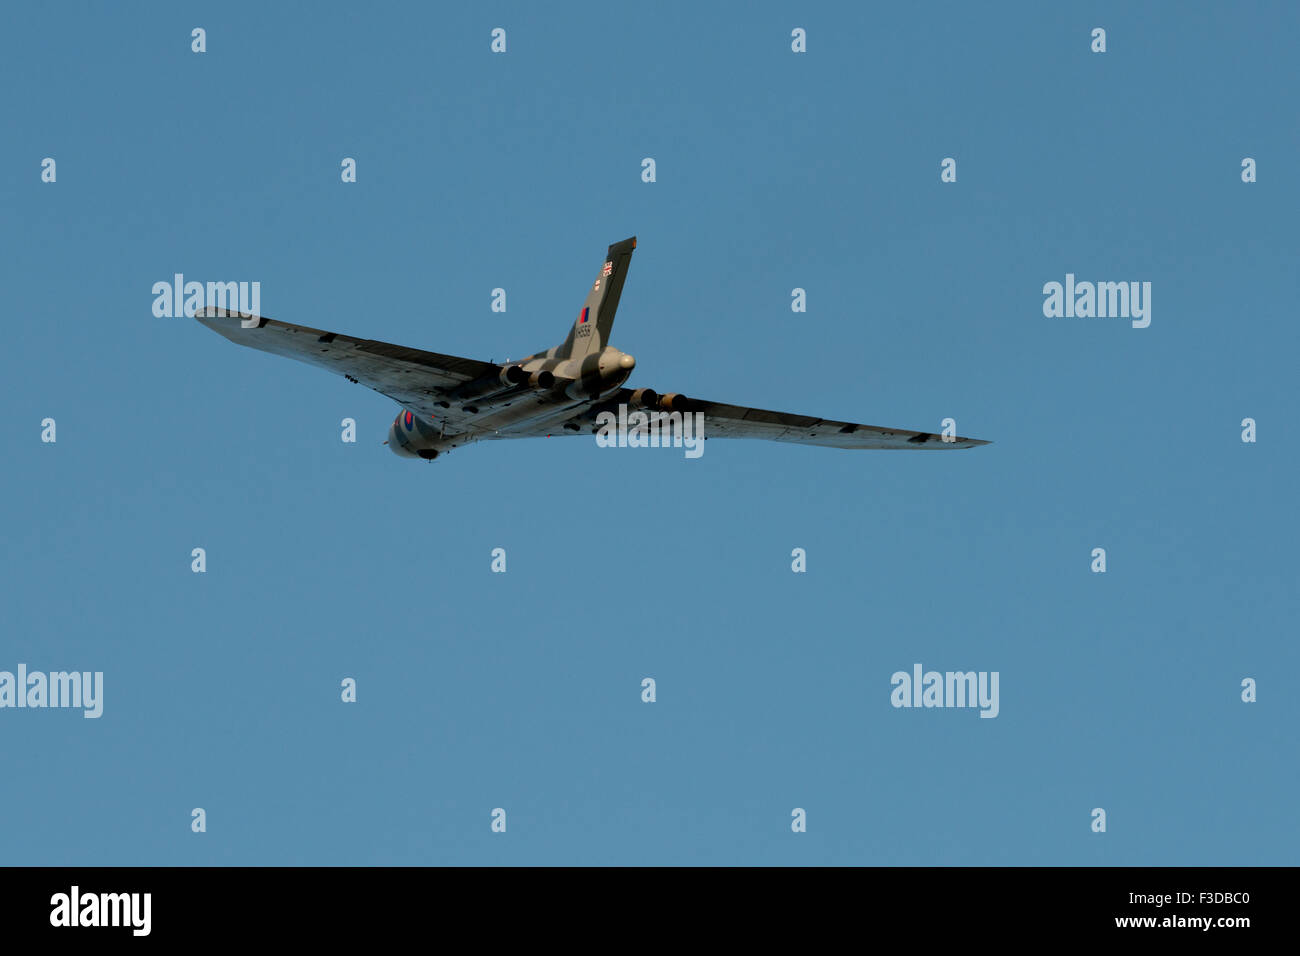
448, 401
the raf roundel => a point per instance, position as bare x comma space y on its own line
409, 421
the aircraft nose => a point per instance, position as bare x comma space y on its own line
627, 362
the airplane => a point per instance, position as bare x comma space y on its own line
448, 401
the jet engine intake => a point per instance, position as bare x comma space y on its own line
411, 437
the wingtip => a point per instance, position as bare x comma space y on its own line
247, 320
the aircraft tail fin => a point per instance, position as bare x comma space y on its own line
590, 332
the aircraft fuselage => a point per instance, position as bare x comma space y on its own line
526, 396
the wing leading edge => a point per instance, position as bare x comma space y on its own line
411, 377
738, 421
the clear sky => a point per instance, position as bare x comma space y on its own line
775, 171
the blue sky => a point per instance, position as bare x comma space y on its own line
521, 690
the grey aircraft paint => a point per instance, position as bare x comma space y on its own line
455, 401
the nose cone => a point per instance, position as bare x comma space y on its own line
627, 362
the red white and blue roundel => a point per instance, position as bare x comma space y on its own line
409, 421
